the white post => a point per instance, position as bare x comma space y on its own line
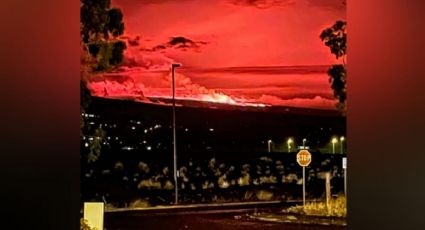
94, 214
345, 183
328, 189
304, 186
268, 145
344, 166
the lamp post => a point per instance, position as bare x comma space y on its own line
269, 142
176, 192
304, 141
334, 141
342, 144
289, 142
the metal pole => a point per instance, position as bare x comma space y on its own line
176, 193
333, 147
304, 186
268, 145
345, 183
342, 145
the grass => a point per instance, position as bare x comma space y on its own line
337, 208
85, 226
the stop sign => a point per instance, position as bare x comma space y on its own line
304, 158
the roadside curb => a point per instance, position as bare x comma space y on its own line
300, 219
192, 207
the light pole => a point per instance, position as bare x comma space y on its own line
289, 142
304, 141
342, 144
334, 141
176, 191
269, 142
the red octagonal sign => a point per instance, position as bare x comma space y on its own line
304, 158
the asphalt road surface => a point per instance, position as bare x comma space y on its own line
203, 220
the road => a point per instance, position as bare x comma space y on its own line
203, 220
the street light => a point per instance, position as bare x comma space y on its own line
334, 141
269, 142
289, 142
304, 141
176, 193
342, 143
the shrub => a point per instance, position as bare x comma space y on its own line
264, 195
139, 203
85, 226
337, 208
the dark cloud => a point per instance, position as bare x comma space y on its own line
267, 70
131, 41
262, 4
134, 42
329, 4
134, 2
180, 43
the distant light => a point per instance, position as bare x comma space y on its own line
334, 140
138, 122
211, 130
149, 148
186, 129
290, 140
133, 128
342, 138
146, 131
269, 141
86, 144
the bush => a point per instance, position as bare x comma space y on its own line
264, 195
337, 208
85, 226
139, 203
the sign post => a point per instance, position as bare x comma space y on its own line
304, 159
328, 190
344, 166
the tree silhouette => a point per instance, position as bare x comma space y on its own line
100, 26
335, 37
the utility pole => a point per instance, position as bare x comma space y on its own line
176, 191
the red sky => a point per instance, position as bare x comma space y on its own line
233, 51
